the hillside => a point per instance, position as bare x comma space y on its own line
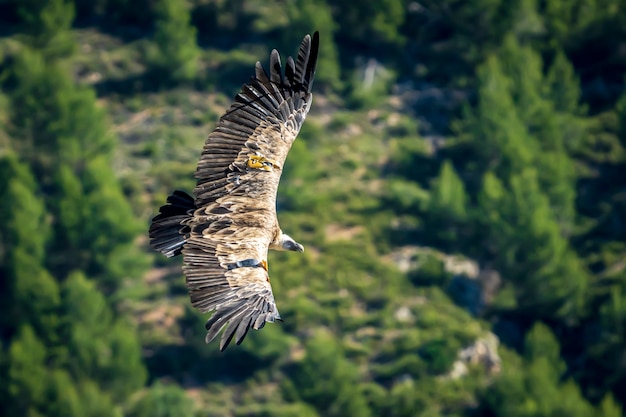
458, 186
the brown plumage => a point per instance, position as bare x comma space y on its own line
224, 233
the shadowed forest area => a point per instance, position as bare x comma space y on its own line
459, 187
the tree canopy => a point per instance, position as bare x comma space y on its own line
458, 185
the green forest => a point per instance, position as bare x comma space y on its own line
459, 186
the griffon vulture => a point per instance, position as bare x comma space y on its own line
225, 230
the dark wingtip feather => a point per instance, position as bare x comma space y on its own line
312, 64
242, 330
164, 233
211, 335
306, 62
290, 71
228, 334
276, 75
260, 73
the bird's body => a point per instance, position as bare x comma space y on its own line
225, 230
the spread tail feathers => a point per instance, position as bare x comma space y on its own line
167, 235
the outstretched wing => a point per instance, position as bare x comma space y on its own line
229, 278
257, 131
225, 255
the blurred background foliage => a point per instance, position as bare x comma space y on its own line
460, 187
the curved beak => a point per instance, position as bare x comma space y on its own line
286, 242
292, 245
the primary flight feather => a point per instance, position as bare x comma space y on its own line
225, 231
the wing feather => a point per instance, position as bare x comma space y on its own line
224, 276
264, 119
242, 329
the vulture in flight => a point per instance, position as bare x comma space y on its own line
226, 229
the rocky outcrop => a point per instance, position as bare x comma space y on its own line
483, 352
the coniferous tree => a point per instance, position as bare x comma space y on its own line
47, 24
533, 387
100, 347
28, 294
447, 208
52, 353
515, 133
564, 88
609, 408
162, 400
307, 17
606, 374
551, 118
604, 248
494, 129
24, 385
457, 35
174, 56
62, 212
34, 386
564, 18
518, 122
378, 21
340, 395
61, 132
53, 121
529, 250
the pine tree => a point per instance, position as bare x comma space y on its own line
174, 57
62, 134
601, 201
447, 208
527, 118
495, 130
462, 35
53, 121
564, 18
551, 117
522, 151
564, 88
62, 215
378, 21
99, 346
34, 386
28, 294
162, 400
47, 26
24, 385
609, 408
529, 250
533, 387
339, 395
51, 355
307, 17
